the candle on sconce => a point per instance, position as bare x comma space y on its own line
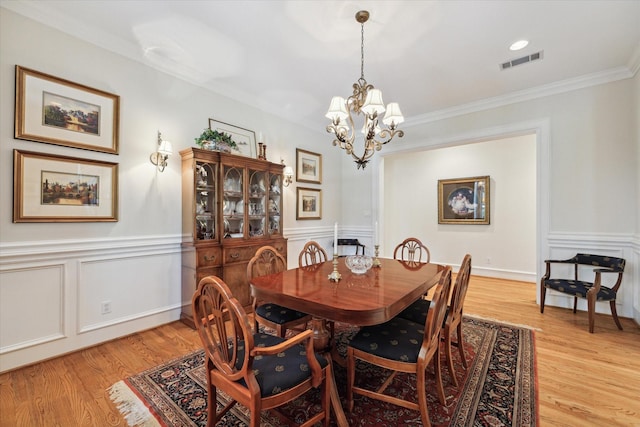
335, 238
260, 137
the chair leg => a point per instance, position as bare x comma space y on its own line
575, 304
351, 375
422, 394
614, 313
543, 294
461, 346
447, 348
438, 369
591, 303
281, 330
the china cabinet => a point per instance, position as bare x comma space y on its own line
231, 206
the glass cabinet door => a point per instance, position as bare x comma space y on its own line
275, 205
205, 200
233, 202
257, 203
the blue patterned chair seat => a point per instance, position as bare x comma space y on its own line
280, 372
279, 314
417, 311
579, 288
398, 339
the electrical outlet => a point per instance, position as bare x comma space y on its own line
488, 260
105, 307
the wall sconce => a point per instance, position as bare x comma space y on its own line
287, 174
159, 158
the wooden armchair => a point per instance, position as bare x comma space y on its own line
592, 291
410, 352
259, 371
412, 250
267, 260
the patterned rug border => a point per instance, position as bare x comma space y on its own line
145, 404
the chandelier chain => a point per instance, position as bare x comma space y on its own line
362, 50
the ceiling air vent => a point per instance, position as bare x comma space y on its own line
522, 60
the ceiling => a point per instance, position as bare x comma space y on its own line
433, 57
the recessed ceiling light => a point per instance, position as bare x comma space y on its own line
520, 44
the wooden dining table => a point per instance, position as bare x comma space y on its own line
358, 299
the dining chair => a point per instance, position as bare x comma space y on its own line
401, 345
417, 312
413, 250
257, 370
267, 260
593, 291
311, 253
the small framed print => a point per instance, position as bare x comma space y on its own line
464, 200
57, 111
245, 139
308, 203
51, 188
308, 166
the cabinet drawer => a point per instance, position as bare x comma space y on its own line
209, 257
209, 271
239, 254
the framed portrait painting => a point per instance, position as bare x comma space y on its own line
52, 188
464, 200
245, 139
308, 203
308, 166
57, 111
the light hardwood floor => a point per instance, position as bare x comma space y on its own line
583, 379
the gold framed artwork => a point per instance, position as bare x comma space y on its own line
245, 139
308, 166
56, 111
308, 203
464, 200
52, 188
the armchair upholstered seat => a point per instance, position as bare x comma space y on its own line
593, 291
257, 370
267, 260
400, 345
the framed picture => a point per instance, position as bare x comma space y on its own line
51, 188
244, 138
464, 200
308, 166
57, 111
308, 203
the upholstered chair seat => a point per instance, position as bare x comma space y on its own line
280, 315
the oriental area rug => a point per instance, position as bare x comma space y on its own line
497, 389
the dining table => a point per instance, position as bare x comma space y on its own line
370, 298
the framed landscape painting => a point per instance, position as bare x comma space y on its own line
308, 203
308, 166
51, 188
57, 111
245, 139
464, 200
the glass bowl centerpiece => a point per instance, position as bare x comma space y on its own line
359, 264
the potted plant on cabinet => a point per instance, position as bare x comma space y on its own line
211, 139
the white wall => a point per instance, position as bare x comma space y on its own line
55, 276
505, 247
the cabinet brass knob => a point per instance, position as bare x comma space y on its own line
209, 258
234, 256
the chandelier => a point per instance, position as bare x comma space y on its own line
365, 101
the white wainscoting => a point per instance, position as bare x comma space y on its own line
51, 293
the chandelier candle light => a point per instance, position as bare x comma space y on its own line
367, 101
